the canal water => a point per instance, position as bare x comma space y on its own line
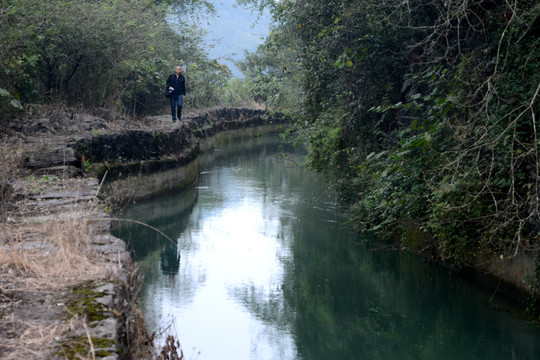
260, 267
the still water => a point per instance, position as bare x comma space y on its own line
261, 268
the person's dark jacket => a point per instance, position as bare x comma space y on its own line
178, 83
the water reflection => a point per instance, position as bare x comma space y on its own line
266, 272
169, 213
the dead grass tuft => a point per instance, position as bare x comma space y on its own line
171, 350
12, 156
30, 341
39, 262
54, 254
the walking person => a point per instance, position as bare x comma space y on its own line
176, 83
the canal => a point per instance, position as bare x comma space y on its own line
260, 267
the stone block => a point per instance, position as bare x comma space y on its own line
63, 171
50, 158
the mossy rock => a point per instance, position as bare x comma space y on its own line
85, 305
80, 346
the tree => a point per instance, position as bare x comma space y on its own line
423, 116
106, 53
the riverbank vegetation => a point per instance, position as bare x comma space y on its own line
112, 54
423, 114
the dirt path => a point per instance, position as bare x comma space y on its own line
65, 282
60, 271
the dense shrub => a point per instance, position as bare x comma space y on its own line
422, 114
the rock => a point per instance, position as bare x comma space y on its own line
107, 289
100, 224
89, 122
111, 247
50, 158
63, 171
107, 299
42, 126
5, 190
76, 195
36, 245
16, 125
106, 114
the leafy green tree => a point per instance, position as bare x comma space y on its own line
423, 116
106, 53
271, 74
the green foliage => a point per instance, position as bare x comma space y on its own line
422, 116
75, 348
87, 166
272, 74
207, 79
237, 92
9, 104
114, 54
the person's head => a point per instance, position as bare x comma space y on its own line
178, 70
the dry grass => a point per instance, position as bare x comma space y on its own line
32, 342
11, 157
11, 163
53, 254
39, 262
171, 350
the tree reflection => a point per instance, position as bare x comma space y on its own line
168, 213
169, 259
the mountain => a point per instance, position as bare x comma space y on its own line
233, 30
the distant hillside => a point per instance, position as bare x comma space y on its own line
233, 30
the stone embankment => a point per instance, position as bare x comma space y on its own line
64, 278
67, 286
170, 152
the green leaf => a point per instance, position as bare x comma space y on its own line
15, 104
414, 124
377, 156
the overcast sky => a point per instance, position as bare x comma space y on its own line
233, 30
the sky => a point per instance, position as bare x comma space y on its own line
232, 30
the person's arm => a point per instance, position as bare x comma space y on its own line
168, 84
